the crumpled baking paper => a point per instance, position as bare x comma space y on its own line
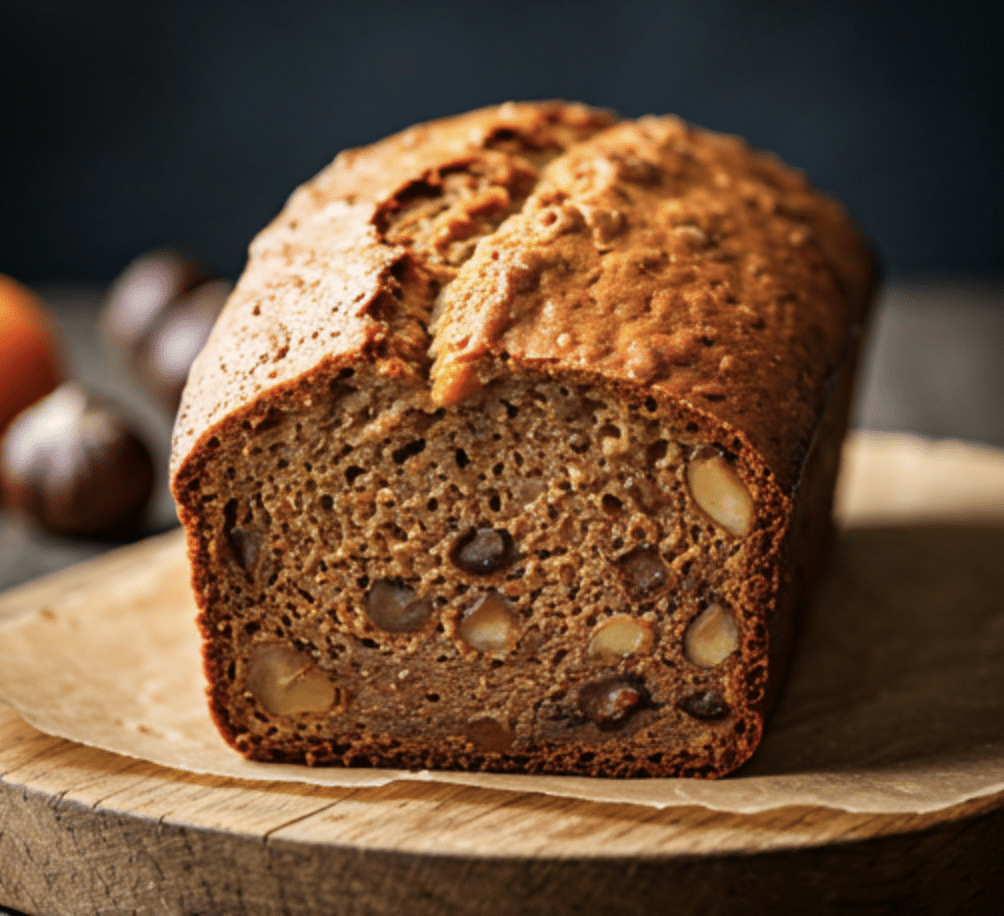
895, 703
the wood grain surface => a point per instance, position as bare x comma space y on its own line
86, 831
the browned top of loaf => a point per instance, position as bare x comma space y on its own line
649, 252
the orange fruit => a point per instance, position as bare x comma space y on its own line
30, 361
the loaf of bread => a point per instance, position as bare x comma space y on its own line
514, 449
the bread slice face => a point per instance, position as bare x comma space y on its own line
514, 449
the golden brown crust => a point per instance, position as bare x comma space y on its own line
683, 261
319, 283
673, 283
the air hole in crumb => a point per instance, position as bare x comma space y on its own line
369, 643
232, 671
495, 504
432, 505
650, 405
327, 503
518, 458
498, 469
512, 411
611, 505
432, 697
559, 656
353, 472
656, 451
270, 420
401, 455
363, 581
461, 458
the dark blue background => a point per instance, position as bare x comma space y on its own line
128, 126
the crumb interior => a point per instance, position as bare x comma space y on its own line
438, 584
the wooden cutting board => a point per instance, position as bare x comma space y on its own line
87, 831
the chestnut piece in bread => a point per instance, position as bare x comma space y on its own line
514, 448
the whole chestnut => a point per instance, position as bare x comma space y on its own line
162, 359
157, 316
142, 291
71, 463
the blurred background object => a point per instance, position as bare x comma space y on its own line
142, 292
30, 349
72, 464
157, 316
934, 360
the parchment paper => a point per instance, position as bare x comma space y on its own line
895, 703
